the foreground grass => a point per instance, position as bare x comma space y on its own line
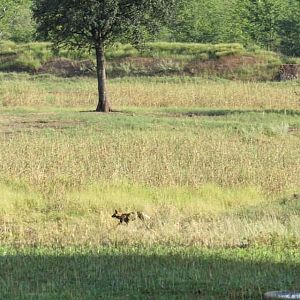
153, 273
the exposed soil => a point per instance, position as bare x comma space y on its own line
11, 124
151, 66
7, 57
67, 67
224, 64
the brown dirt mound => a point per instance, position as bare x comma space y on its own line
67, 67
225, 64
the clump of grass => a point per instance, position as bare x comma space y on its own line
192, 49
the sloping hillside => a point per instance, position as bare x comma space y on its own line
230, 61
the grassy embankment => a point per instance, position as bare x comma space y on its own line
215, 163
231, 61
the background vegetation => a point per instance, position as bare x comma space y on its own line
270, 24
273, 25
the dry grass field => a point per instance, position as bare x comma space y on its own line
156, 92
215, 164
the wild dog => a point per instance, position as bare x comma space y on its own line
131, 216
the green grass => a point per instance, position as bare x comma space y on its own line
176, 50
138, 273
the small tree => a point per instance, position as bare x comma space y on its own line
94, 24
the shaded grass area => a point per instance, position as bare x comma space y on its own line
153, 273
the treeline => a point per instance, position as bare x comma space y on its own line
270, 24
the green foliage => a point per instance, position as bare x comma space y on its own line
290, 30
267, 23
16, 21
271, 24
259, 20
87, 23
200, 21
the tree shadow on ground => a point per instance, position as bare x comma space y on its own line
225, 112
209, 112
135, 274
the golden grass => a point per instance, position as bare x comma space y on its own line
150, 93
208, 94
194, 159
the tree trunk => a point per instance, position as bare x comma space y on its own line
103, 103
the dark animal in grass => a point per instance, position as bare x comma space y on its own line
130, 216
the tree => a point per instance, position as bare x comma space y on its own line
257, 21
290, 30
97, 23
16, 20
7, 8
200, 21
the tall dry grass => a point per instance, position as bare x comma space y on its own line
152, 158
23, 91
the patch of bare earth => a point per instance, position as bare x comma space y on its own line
67, 67
32, 122
224, 64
